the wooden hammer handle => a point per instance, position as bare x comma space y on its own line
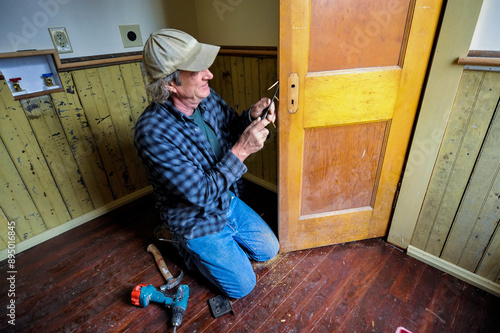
160, 262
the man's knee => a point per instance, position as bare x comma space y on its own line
270, 250
240, 286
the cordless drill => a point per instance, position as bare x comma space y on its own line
143, 294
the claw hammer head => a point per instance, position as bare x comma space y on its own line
172, 282
169, 278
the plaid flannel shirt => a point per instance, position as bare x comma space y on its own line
190, 185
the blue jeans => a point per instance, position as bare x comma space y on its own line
224, 257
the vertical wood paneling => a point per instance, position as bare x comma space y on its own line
227, 84
91, 91
27, 156
137, 101
135, 87
488, 267
4, 237
460, 217
478, 215
15, 201
76, 127
460, 148
239, 86
123, 122
56, 151
251, 76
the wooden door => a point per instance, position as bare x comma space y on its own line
351, 73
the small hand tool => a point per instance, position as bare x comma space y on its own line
160, 262
266, 110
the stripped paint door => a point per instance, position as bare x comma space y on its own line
351, 74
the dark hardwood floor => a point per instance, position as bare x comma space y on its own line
81, 281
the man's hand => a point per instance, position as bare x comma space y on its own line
258, 108
252, 140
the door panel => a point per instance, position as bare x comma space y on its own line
346, 156
345, 97
351, 73
359, 33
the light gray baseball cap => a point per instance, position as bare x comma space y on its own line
168, 50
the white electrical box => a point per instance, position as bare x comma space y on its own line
31, 73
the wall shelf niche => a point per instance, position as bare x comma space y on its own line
31, 73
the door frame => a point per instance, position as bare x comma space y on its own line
458, 25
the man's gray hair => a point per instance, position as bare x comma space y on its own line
157, 89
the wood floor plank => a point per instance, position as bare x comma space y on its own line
301, 291
425, 311
80, 288
491, 322
369, 318
343, 307
447, 302
471, 312
305, 303
406, 280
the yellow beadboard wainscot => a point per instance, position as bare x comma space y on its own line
68, 154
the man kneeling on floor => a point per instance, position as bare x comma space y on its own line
193, 145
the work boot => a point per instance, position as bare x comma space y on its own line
162, 234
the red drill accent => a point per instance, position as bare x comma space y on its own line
136, 294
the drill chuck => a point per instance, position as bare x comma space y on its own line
179, 305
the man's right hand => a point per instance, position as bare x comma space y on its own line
252, 140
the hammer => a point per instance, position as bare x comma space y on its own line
169, 278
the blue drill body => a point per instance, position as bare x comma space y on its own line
143, 294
